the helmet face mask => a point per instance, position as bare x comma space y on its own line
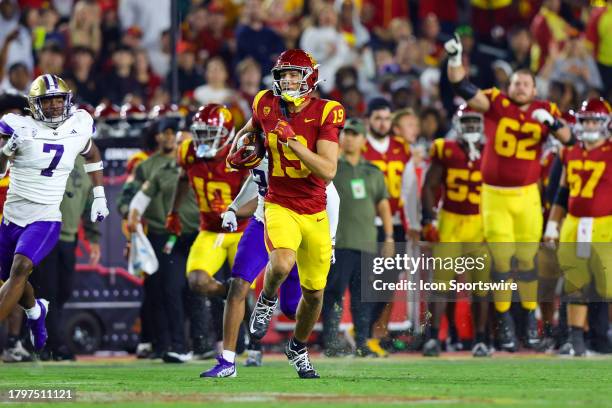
212, 130
593, 121
295, 74
469, 125
50, 100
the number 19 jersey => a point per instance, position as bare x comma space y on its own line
513, 149
291, 184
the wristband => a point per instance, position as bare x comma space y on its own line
98, 192
91, 167
465, 88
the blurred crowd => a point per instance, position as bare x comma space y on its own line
118, 52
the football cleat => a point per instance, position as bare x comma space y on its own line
432, 348
574, 347
38, 331
223, 369
301, 361
16, 354
261, 316
175, 357
532, 340
374, 345
254, 358
546, 344
505, 332
481, 350
365, 351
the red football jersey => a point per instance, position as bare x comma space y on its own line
513, 149
4, 185
291, 184
214, 183
391, 163
589, 177
462, 179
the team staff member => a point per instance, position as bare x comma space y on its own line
363, 196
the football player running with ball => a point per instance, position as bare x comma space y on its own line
42, 149
511, 205
301, 138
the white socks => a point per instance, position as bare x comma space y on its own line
34, 312
229, 356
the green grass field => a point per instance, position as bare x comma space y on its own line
521, 381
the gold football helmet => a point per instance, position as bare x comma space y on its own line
47, 87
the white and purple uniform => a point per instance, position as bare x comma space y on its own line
252, 256
31, 220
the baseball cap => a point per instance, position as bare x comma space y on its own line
355, 125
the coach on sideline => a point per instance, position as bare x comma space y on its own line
363, 195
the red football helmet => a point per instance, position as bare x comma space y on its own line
593, 120
469, 124
165, 111
213, 129
295, 60
108, 121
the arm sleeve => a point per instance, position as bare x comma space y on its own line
333, 209
247, 192
410, 196
5, 128
554, 177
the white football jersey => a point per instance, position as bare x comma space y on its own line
42, 164
260, 177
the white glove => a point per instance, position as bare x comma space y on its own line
229, 221
551, 234
543, 116
454, 49
99, 209
11, 145
333, 257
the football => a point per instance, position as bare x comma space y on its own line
254, 143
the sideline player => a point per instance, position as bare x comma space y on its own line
583, 198
202, 160
42, 149
517, 126
301, 136
455, 165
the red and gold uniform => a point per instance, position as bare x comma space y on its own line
215, 187
459, 220
589, 219
392, 163
135, 159
295, 214
511, 168
548, 267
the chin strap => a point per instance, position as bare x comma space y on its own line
297, 101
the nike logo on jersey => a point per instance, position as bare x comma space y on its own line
320, 219
308, 120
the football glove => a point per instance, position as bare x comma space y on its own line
430, 233
284, 132
543, 116
454, 50
99, 209
229, 221
11, 145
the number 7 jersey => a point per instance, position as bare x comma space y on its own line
513, 148
42, 164
291, 183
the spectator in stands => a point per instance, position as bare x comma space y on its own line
355, 34
84, 26
190, 75
82, 78
546, 27
430, 42
159, 56
147, 79
216, 37
255, 39
405, 124
216, 89
121, 82
17, 81
111, 33
327, 45
249, 77
51, 59
576, 65
519, 54
152, 16
600, 22
19, 45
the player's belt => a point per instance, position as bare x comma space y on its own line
509, 190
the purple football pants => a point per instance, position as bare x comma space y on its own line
33, 241
251, 259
